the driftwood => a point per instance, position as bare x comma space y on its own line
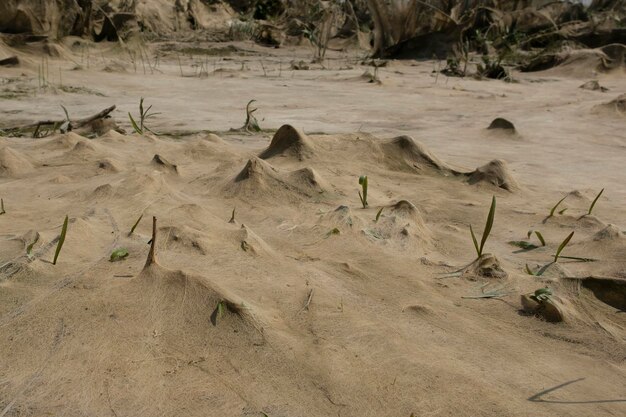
54, 124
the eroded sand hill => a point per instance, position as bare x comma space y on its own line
324, 309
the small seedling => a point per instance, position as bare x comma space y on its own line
143, 116
528, 271
66, 126
363, 184
232, 216
488, 226
378, 214
118, 254
562, 211
540, 237
252, 124
562, 246
132, 229
218, 313
29, 248
555, 207
2, 211
542, 294
61, 241
594, 201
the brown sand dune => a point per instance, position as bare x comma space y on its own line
308, 304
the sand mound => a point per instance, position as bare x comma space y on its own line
487, 266
616, 106
609, 291
496, 173
502, 125
400, 221
163, 164
404, 152
342, 218
13, 164
251, 243
289, 142
259, 179
308, 179
610, 232
108, 166
185, 238
593, 86
64, 141
177, 302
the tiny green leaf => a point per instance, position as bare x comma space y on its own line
556, 205
540, 237
118, 254
594, 201
132, 122
489, 224
61, 241
562, 246
528, 271
29, 248
378, 214
475, 241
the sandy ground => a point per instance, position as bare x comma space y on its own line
324, 311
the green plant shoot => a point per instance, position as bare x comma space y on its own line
363, 184
61, 241
486, 231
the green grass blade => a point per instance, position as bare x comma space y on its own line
540, 237
489, 224
556, 205
578, 258
2, 211
378, 214
132, 229
67, 116
132, 122
562, 246
475, 241
29, 248
61, 241
528, 271
563, 211
594, 201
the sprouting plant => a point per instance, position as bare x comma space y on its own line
29, 248
66, 126
562, 246
555, 206
363, 184
528, 271
61, 241
488, 226
144, 115
252, 124
232, 216
542, 294
218, 313
118, 254
132, 229
594, 201
2, 211
539, 236
378, 214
